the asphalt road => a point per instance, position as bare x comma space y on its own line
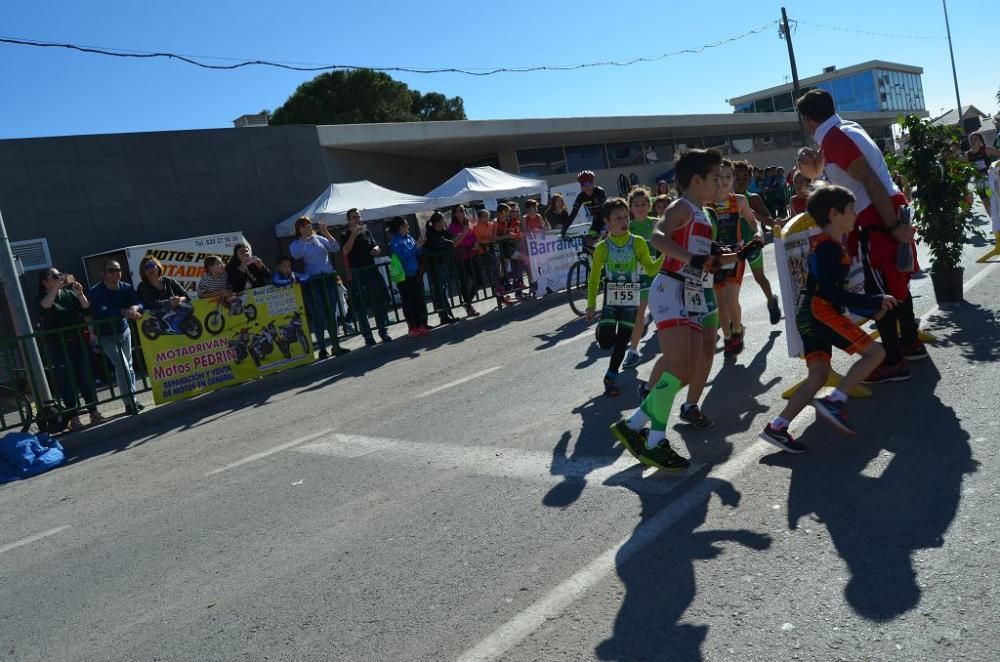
459, 498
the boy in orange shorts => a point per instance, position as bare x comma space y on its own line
822, 323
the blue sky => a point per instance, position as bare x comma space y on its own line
54, 92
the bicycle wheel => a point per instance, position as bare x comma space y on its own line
16, 409
576, 286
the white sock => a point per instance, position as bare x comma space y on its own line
780, 423
838, 396
638, 419
655, 437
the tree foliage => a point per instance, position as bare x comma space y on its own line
363, 96
934, 166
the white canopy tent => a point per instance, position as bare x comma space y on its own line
486, 183
372, 200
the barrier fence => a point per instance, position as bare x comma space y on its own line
361, 302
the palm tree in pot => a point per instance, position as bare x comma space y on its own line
939, 177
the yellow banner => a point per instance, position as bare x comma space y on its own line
206, 345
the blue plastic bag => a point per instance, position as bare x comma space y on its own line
23, 455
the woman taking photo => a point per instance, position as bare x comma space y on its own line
63, 301
245, 271
320, 291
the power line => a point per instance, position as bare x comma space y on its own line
469, 71
867, 33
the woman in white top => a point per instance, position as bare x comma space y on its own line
320, 290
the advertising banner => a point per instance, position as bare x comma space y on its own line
995, 197
791, 255
183, 259
550, 257
206, 345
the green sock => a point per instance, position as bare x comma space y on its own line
660, 401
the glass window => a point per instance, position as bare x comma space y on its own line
541, 162
764, 105
783, 103
741, 144
745, 107
843, 93
623, 155
659, 151
720, 143
763, 142
586, 157
684, 144
864, 91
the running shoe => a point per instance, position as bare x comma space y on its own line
692, 415
782, 440
611, 389
663, 457
774, 310
633, 440
643, 391
729, 347
632, 359
915, 351
834, 413
888, 373
738, 343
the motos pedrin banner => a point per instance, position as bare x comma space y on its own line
208, 344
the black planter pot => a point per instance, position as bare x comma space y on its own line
948, 285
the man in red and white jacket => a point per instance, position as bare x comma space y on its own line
850, 158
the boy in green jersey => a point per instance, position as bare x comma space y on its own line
622, 258
642, 225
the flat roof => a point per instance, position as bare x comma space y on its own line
469, 139
812, 81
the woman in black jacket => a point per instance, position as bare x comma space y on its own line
439, 250
245, 271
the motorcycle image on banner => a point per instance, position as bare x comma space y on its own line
186, 356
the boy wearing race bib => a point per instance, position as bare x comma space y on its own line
642, 225
681, 303
822, 323
622, 259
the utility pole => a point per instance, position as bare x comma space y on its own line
954, 74
22, 323
786, 33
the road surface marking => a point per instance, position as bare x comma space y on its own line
34, 538
458, 382
272, 451
515, 463
516, 630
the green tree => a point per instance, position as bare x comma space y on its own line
363, 96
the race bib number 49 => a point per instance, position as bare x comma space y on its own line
694, 298
623, 294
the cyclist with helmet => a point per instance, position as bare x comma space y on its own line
592, 197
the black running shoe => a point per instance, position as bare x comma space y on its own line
834, 413
611, 389
774, 310
782, 440
692, 415
633, 440
665, 458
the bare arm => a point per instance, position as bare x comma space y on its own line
747, 213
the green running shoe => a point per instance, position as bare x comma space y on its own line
633, 440
664, 457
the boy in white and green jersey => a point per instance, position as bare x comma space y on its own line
639, 204
622, 259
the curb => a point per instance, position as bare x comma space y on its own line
183, 410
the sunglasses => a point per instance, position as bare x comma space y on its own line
150, 266
113, 270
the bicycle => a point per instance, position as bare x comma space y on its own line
576, 281
49, 418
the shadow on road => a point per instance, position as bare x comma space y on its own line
594, 448
660, 583
892, 490
971, 328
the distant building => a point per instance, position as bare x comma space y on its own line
970, 121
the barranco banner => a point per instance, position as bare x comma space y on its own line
209, 344
550, 257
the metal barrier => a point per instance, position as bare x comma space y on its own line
82, 376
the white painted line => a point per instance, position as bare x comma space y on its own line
514, 463
272, 451
516, 630
589, 333
458, 382
975, 280
34, 538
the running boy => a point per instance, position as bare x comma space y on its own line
822, 323
741, 184
681, 302
619, 257
642, 225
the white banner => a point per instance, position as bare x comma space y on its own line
791, 255
184, 259
550, 257
995, 198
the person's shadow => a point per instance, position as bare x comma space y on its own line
660, 583
883, 495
